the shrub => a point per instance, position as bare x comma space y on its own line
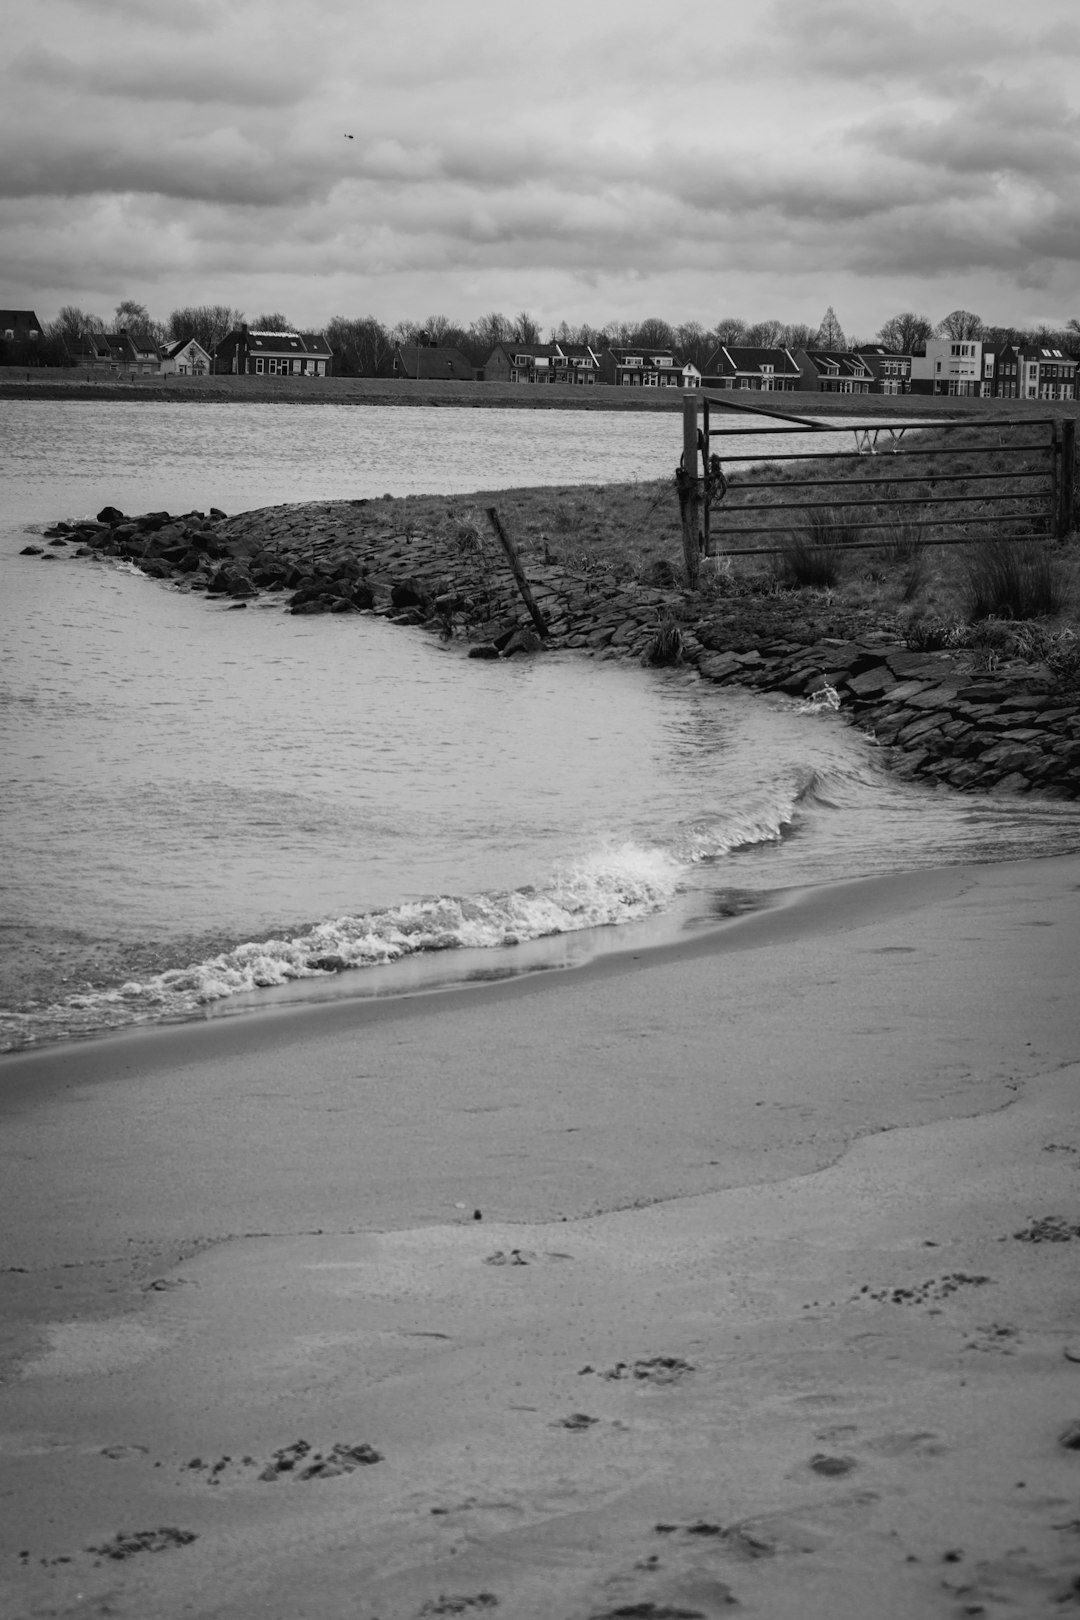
1012, 580
814, 557
664, 646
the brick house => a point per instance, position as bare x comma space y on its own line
890, 373
1031, 371
833, 371
737, 366
573, 364
243, 353
431, 363
647, 368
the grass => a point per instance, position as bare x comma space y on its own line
1013, 580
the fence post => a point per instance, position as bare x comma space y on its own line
1066, 509
518, 572
690, 489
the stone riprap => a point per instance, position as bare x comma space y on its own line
1014, 731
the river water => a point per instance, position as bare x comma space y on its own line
227, 808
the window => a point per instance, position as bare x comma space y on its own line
259, 365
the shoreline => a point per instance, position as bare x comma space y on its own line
710, 1168
369, 391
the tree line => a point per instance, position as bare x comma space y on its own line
364, 346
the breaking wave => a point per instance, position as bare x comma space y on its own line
616, 884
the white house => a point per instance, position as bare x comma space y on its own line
187, 358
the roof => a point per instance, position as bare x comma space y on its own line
20, 321
286, 343
171, 350
434, 362
837, 362
740, 358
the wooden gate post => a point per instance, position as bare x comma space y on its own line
1066, 509
518, 572
690, 490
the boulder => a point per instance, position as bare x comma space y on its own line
110, 515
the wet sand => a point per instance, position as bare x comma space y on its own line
738, 1271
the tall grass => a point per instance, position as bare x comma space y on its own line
814, 556
1010, 580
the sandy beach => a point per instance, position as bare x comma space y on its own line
733, 1276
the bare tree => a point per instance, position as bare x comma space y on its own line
135, 320
272, 323
693, 343
798, 337
730, 330
206, 323
73, 323
526, 328
961, 325
654, 334
830, 334
906, 333
764, 335
489, 330
362, 348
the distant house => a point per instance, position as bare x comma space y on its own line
187, 358
114, 353
735, 366
960, 367
92, 351
1031, 371
521, 363
243, 353
431, 362
139, 355
828, 371
20, 338
574, 364
890, 373
646, 368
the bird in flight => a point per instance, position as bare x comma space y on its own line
350, 137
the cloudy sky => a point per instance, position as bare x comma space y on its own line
580, 159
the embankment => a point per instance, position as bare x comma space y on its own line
1013, 731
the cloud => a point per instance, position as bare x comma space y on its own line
617, 152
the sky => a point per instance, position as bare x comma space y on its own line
582, 160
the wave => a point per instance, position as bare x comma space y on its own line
617, 883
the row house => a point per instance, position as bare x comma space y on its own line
573, 364
243, 353
828, 371
963, 368
1034, 372
889, 373
521, 363
735, 366
647, 368
112, 353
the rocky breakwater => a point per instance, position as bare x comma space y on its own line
1009, 732
1016, 730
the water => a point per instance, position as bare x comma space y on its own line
203, 809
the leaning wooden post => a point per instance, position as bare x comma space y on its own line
518, 572
1067, 474
690, 490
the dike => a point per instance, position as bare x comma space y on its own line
1011, 732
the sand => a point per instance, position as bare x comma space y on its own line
741, 1272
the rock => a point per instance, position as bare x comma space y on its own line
110, 515
32, 551
485, 650
1070, 1437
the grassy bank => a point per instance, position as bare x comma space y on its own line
18, 383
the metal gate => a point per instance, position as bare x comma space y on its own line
944, 481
